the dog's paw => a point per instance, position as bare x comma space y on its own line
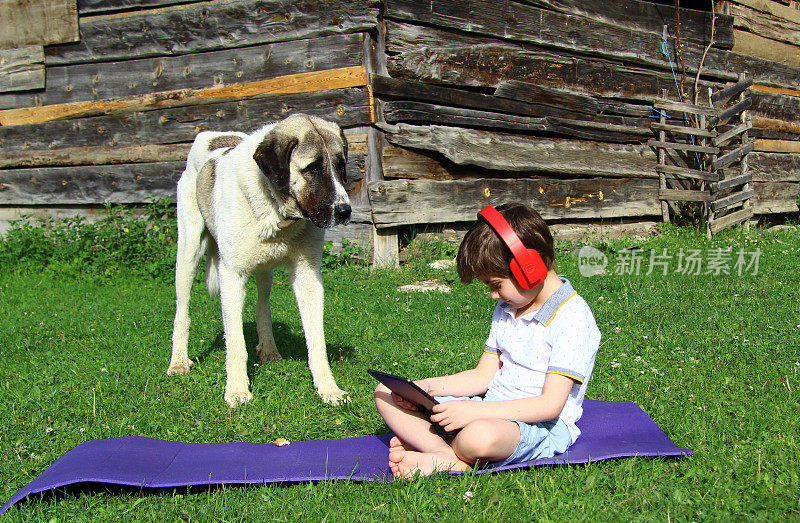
268, 352
334, 396
179, 367
235, 398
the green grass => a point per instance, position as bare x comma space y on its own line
711, 358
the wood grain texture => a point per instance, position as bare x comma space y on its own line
98, 81
38, 22
209, 26
517, 153
347, 107
22, 68
405, 202
290, 84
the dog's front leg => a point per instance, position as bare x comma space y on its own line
266, 348
232, 292
309, 292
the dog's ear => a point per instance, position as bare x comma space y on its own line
272, 156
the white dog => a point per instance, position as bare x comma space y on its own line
251, 203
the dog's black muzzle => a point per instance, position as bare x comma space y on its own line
341, 213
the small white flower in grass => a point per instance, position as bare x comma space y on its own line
468, 496
104, 369
395, 364
48, 430
82, 429
617, 329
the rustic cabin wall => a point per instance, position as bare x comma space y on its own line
121, 105
448, 106
550, 102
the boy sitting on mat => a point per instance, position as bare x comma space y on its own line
534, 369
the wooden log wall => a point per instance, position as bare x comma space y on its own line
448, 106
550, 102
125, 97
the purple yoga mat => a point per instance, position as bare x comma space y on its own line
610, 429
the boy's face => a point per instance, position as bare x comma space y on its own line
510, 292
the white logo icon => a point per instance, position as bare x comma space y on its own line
591, 262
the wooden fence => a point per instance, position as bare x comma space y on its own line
448, 106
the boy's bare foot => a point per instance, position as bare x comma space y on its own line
407, 463
397, 444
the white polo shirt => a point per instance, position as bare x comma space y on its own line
561, 337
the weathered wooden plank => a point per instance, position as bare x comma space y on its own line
212, 25
416, 52
400, 88
735, 181
774, 9
591, 38
767, 24
778, 126
98, 81
290, 84
732, 156
38, 22
730, 220
517, 153
405, 202
681, 129
669, 105
537, 94
347, 107
22, 68
679, 195
399, 162
678, 146
775, 106
774, 167
505, 19
650, 17
94, 155
127, 183
769, 134
754, 45
154, 153
775, 197
683, 172
415, 112
88, 7
722, 97
732, 133
732, 199
777, 146
727, 114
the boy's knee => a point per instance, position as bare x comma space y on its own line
478, 440
382, 392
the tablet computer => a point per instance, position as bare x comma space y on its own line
406, 388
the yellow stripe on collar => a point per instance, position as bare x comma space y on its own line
559, 306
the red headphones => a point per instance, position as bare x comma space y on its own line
527, 266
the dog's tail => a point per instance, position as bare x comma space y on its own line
212, 267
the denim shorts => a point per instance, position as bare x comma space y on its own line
537, 440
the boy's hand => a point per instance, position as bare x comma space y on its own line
456, 414
404, 403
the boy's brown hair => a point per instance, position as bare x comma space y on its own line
482, 253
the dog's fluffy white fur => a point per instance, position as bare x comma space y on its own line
252, 202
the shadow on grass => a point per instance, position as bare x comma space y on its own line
290, 345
